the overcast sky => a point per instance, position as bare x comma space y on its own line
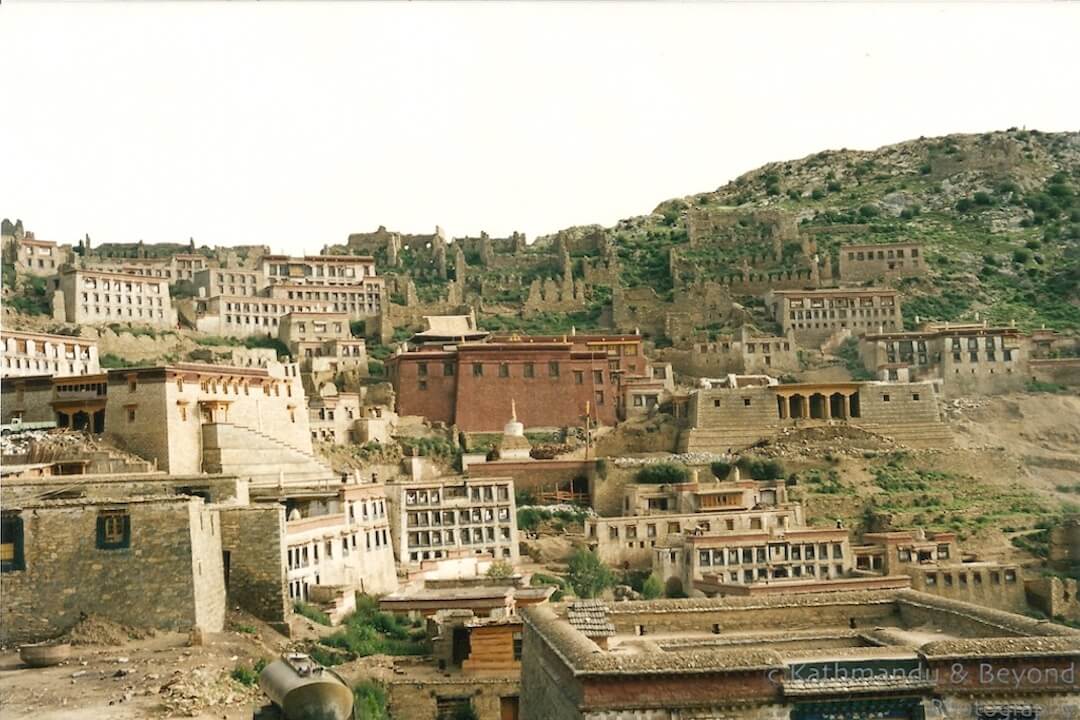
294, 124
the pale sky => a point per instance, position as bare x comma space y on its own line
293, 125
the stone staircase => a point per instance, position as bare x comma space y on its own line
264, 460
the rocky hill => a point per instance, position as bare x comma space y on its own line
997, 212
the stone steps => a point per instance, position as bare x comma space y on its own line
719, 439
265, 461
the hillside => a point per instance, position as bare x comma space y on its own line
998, 214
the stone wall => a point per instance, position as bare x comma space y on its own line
419, 698
254, 538
1061, 371
549, 691
988, 586
1054, 596
168, 577
749, 615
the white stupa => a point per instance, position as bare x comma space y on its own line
514, 445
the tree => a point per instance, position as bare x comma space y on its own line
500, 570
652, 588
587, 575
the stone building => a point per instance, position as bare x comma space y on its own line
712, 563
234, 282
95, 297
965, 358
935, 566
742, 352
26, 353
173, 268
186, 417
319, 269
243, 315
816, 315
451, 518
63, 559
336, 535
556, 381
40, 258
859, 263
723, 418
836, 654
656, 516
363, 300
322, 342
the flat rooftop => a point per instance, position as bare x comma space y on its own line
746, 633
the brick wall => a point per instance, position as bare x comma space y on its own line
173, 557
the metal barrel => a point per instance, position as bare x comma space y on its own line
304, 690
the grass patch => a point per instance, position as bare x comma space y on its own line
248, 676
312, 613
369, 631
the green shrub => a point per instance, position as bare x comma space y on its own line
817, 193
720, 469
869, 211
1021, 256
964, 204
662, 474
111, 361
248, 676
652, 588
587, 575
500, 570
833, 186
369, 701
760, 469
983, 198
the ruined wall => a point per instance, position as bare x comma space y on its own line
173, 556
254, 538
1054, 596
859, 263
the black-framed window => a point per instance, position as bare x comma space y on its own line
113, 530
11, 544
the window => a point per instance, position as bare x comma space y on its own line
517, 645
132, 384
599, 397
11, 544
477, 370
113, 530
579, 377
598, 377
131, 414
447, 369
421, 369
915, 397
746, 402
530, 370
504, 370
423, 384
553, 369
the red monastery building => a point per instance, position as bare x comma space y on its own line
455, 374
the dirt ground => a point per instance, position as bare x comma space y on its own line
160, 676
